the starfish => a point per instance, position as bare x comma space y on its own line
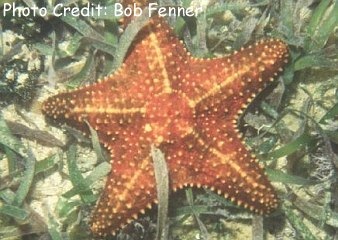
186, 107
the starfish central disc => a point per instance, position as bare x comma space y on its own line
169, 117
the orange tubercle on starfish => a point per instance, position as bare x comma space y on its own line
188, 108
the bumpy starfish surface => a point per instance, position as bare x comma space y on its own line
185, 106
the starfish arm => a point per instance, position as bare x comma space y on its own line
106, 108
241, 74
233, 173
156, 55
130, 187
216, 127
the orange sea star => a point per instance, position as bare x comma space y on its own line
186, 107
